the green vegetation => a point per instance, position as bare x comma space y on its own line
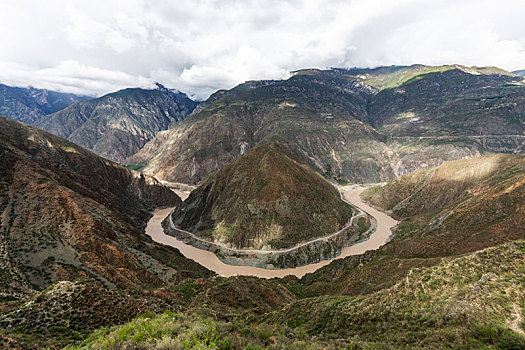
469, 302
474, 301
135, 167
266, 197
451, 277
183, 331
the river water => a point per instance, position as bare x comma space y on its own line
211, 262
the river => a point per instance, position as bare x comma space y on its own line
209, 260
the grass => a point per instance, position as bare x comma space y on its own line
464, 302
135, 167
185, 331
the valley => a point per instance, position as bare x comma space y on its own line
264, 237
359, 126
262, 175
379, 236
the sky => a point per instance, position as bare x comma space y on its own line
199, 46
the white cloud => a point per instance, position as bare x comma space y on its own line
199, 46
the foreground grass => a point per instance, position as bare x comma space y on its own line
476, 301
473, 301
185, 331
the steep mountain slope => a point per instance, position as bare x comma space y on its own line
68, 310
117, 125
521, 72
265, 198
67, 214
322, 120
473, 302
460, 207
28, 105
407, 118
397, 297
454, 103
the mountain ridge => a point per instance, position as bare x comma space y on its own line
30, 104
345, 129
118, 124
68, 214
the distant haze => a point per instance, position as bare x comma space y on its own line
95, 47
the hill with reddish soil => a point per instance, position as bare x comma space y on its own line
68, 214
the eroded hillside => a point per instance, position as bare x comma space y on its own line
117, 125
67, 214
367, 125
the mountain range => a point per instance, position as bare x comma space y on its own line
357, 125
418, 292
77, 269
70, 214
117, 125
28, 105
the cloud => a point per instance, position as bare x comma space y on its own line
199, 46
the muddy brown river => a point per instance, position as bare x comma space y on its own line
209, 260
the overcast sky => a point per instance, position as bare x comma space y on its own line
95, 47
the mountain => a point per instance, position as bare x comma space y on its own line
521, 72
28, 105
117, 125
68, 214
450, 103
319, 119
388, 77
263, 199
429, 287
457, 208
357, 125
468, 302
